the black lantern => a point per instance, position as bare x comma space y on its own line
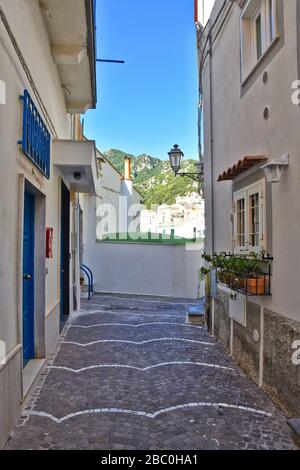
175, 156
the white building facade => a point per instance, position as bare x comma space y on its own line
122, 259
116, 206
49, 77
184, 219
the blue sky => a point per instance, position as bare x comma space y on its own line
150, 103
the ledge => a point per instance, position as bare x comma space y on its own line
145, 238
260, 61
30, 374
10, 355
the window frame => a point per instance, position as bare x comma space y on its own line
272, 20
240, 196
254, 35
245, 193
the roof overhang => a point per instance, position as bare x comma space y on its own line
241, 166
76, 162
71, 29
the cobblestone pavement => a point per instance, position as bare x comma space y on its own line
129, 373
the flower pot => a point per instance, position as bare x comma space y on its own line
237, 282
256, 285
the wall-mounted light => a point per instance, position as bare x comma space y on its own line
77, 176
176, 155
273, 169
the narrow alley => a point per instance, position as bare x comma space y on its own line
130, 373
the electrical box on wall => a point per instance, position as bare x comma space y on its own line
49, 242
238, 309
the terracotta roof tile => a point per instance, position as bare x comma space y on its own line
241, 166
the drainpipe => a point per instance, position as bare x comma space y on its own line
209, 42
211, 142
209, 300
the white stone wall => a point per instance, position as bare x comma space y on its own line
145, 268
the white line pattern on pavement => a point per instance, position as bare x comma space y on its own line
135, 326
144, 300
155, 366
127, 313
145, 414
137, 343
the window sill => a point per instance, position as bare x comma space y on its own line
260, 61
224, 288
248, 250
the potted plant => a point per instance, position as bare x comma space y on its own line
221, 264
239, 272
255, 283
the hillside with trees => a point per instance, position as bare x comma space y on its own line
154, 177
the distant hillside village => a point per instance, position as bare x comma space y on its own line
184, 219
172, 205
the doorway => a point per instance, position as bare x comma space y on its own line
65, 256
28, 278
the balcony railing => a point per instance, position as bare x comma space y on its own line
248, 283
36, 140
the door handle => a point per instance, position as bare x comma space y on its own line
26, 277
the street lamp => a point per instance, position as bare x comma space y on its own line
175, 156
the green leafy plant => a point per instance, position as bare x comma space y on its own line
241, 272
237, 266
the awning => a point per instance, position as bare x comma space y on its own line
76, 162
71, 28
241, 166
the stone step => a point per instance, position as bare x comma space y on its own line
196, 315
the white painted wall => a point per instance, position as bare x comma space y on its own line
145, 268
28, 27
135, 268
239, 130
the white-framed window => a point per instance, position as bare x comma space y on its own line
258, 32
249, 218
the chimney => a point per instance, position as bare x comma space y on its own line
78, 128
127, 168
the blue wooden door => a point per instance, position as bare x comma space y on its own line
65, 257
28, 279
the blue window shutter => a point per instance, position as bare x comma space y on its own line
36, 139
